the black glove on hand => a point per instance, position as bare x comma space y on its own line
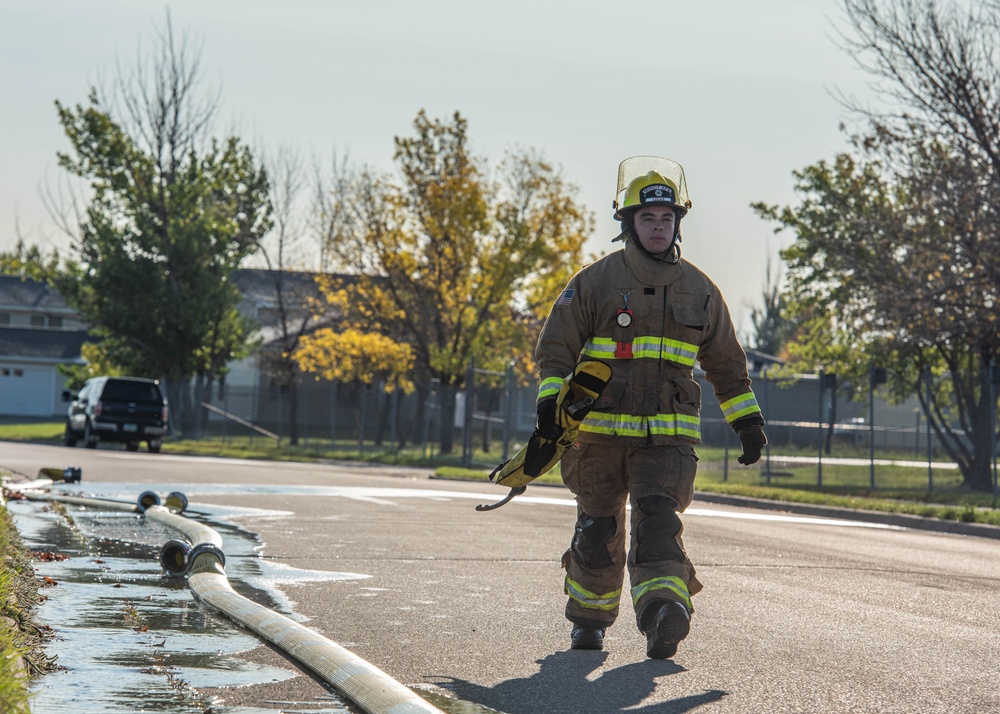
752, 440
545, 424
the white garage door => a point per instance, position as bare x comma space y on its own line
26, 391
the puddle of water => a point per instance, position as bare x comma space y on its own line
114, 566
111, 588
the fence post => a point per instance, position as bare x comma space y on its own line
470, 391
281, 415
427, 419
254, 407
992, 378
767, 447
395, 418
304, 410
333, 414
225, 405
508, 409
364, 408
819, 459
876, 376
428, 405
930, 468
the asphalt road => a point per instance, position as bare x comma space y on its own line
798, 614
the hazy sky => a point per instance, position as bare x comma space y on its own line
738, 93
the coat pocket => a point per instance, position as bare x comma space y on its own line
690, 315
685, 395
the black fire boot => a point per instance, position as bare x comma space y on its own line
586, 638
665, 625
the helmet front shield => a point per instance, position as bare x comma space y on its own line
638, 166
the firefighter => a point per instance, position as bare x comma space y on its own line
650, 315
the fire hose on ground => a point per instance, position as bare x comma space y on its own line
201, 560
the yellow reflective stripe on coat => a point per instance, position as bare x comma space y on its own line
641, 426
549, 387
643, 347
608, 601
740, 406
672, 583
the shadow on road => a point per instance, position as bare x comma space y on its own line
562, 685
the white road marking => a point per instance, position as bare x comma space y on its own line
385, 496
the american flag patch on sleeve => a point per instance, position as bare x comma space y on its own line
565, 298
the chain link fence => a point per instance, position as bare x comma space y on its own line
810, 424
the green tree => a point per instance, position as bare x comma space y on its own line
772, 327
447, 260
897, 256
29, 262
98, 363
901, 270
172, 214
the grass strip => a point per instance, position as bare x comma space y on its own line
900, 489
21, 654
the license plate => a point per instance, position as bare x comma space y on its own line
130, 427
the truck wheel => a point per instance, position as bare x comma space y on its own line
132, 446
154, 446
69, 438
89, 439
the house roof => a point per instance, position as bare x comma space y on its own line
41, 345
260, 290
259, 286
20, 293
758, 359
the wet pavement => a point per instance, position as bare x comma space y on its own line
128, 638
799, 613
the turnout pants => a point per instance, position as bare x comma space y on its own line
658, 483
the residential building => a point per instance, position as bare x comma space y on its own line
38, 332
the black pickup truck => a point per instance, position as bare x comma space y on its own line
126, 410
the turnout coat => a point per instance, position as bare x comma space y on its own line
651, 321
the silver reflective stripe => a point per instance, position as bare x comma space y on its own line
608, 601
645, 347
740, 406
641, 426
670, 582
549, 387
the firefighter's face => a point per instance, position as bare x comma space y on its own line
654, 227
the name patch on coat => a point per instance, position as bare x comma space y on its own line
565, 298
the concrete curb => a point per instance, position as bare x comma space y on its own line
903, 520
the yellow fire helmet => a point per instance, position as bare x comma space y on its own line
651, 180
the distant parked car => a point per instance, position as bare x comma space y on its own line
126, 410
854, 430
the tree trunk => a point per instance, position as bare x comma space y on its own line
182, 419
173, 390
447, 397
413, 429
978, 472
384, 414
404, 427
487, 425
291, 399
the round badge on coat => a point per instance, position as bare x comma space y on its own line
624, 319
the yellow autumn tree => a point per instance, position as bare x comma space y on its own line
453, 260
355, 356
